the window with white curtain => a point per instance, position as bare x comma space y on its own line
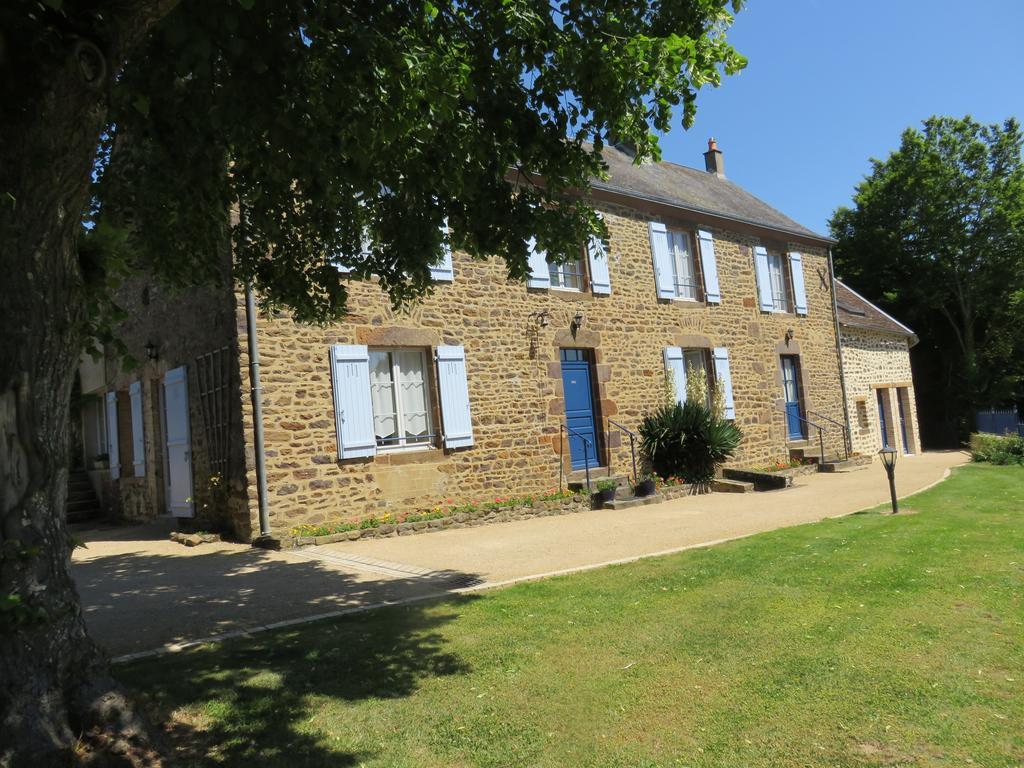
568, 276
696, 364
680, 246
780, 286
400, 395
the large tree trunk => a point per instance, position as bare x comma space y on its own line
55, 687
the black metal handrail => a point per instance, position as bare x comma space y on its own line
561, 451
821, 429
846, 431
632, 447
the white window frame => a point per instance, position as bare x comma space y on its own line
559, 272
782, 297
674, 257
402, 443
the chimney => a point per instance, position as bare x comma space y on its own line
713, 161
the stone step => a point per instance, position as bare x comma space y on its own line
73, 504
762, 481
852, 464
577, 481
634, 501
81, 515
722, 485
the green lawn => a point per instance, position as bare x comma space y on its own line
867, 641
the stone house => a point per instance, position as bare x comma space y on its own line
879, 385
488, 387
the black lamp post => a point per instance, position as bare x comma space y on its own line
889, 461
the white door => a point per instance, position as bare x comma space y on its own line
179, 444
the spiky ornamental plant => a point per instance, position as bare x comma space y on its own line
687, 441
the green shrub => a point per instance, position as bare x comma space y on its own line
997, 449
687, 441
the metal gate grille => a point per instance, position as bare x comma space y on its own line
213, 372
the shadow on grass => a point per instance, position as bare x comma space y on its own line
275, 698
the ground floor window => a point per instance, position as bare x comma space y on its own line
400, 395
698, 375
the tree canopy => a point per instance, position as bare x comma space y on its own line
331, 125
936, 236
322, 125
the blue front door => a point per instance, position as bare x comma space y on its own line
882, 421
579, 407
791, 388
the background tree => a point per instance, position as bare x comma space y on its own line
323, 122
936, 237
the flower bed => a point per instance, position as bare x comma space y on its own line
449, 515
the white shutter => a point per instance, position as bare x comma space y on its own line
709, 266
722, 374
443, 271
796, 272
764, 280
454, 388
138, 443
112, 437
178, 439
597, 253
663, 276
539, 276
675, 365
353, 411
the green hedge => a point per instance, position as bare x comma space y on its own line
997, 449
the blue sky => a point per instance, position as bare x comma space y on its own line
831, 84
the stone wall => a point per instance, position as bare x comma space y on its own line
181, 326
514, 379
874, 361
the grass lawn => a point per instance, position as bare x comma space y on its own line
866, 641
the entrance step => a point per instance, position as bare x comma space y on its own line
577, 480
762, 481
723, 485
633, 501
852, 464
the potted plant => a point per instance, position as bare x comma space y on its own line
644, 485
606, 490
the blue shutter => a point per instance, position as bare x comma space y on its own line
724, 378
764, 280
663, 275
113, 453
353, 411
709, 266
597, 253
138, 442
675, 366
539, 276
454, 388
796, 272
443, 270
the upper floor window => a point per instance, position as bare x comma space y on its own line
781, 295
569, 276
684, 268
400, 397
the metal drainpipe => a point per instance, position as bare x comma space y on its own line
839, 352
256, 396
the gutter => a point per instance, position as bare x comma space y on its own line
256, 396
839, 352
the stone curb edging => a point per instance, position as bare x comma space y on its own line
565, 506
190, 644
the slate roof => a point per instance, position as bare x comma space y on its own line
694, 190
857, 312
